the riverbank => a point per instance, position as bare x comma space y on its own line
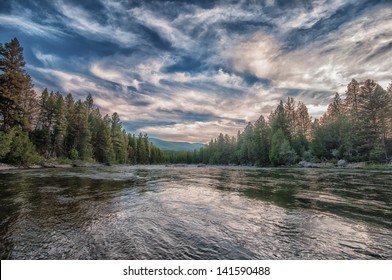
346, 165
4, 166
300, 165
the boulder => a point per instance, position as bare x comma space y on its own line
341, 163
304, 163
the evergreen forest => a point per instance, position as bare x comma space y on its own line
357, 127
35, 128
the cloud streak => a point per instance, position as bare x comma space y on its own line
30, 27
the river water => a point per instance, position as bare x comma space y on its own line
158, 212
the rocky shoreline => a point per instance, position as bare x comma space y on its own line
340, 164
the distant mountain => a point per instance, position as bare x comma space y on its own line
175, 146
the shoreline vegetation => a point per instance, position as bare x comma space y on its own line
53, 130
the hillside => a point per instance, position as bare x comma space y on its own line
175, 146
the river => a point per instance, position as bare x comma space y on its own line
160, 212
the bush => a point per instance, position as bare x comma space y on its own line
377, 153
73, 154
6, 143
281, 152
22, 150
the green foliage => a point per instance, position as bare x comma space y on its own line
73, 154
377, 153
17, 97
57, 127
281, 152
6, 139
22, 150
356, 128
300, 144
119, 140
103, 148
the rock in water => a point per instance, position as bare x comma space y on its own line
304, 163
341, 163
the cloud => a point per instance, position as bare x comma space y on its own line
69, 82
307, 15
114, 76
194, 132
164, 28
359, 49
188, 71
30, 27
83, 23
218, 14
49, 60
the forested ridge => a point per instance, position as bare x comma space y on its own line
356, 127
38, 128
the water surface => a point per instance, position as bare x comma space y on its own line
158, 212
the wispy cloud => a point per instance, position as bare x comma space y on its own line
83, 23
30, 27
49, 60
359, 49
164, 28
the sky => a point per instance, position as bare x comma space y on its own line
189, 70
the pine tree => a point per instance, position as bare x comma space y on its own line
291, 116
78, 132
132, 149
374, 103
262, 133
119, 144
44, 133
103, 141
142, 156
281, 152
59, 127
278, 120
17, 97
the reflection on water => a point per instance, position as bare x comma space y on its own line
158, 212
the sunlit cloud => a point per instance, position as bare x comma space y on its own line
324, 64
190, 132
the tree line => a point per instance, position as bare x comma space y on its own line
34, 128
356, 128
